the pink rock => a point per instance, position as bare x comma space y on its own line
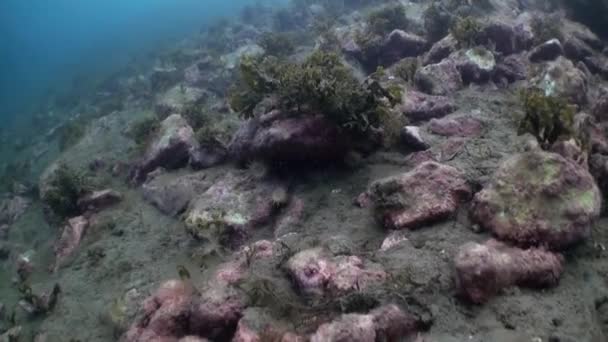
315, 271
193, 339
429, 193
387, 323
482, 270
420, 157
392, 240
463, 126
363, 200
421, 107
98, 200
70, 239
216, 313
163, 314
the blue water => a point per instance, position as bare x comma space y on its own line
46, 43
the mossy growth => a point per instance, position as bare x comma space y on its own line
546, 28
406, 69
142, 131
196, 115
466, 31
70, 134
437, 21
548, 118
65, 188
277, 44
322, 84
386, 19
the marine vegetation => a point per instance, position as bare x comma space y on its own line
386, 19
322, 83
65, 188
277, 44
406, 69
466, 31
437, 21
548, 118
546, 28
141, 131
196, 115
71, 133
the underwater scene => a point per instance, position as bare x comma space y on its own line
304, 171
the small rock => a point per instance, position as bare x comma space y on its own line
475, 65
5, 251
442, 78
207, 156
173, 195
464, 126
392, 240
597, 65
421, 107
410, 135
363, 200
215, 315
4, 228
70, 239
562, 79
546, 51
576, 49
429, 193
98, 200
12, 208
482, 270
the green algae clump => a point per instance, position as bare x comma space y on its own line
65, 188
320, 84
141, 131
466, 31
391, 17
548, 118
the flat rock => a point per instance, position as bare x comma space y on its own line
422, 107
539, 199
172, 195
429, 193
98, 200
464, 126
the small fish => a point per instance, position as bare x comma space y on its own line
183, 272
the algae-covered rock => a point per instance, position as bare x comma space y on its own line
539, 198
170, 194
229, 209
475, 65
442, 78
178, 98
417, 106
429, 193
562, 79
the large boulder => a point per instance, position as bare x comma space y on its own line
278, 137
429, 193
171, 148
546, 51
510, 69
507, 38
320, 273
539, 199
442, 78
422, 107
561, 78
482, 270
